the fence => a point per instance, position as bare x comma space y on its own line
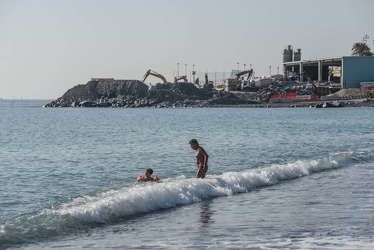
217, 78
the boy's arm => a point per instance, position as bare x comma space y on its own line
206, 156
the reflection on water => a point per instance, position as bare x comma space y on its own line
206, 212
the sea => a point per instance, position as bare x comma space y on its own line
278, 178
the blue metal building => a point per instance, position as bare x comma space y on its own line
356, 69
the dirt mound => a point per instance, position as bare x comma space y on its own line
352, 93
133, 93
108, 89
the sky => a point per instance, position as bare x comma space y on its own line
50, 46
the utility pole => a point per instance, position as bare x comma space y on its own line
193, 73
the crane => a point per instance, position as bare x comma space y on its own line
154, 73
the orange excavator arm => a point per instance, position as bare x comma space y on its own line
155, 74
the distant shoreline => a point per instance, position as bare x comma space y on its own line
355, 103
343, 104
362, 103
346, 103
136, 94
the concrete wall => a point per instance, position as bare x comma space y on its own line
357, 69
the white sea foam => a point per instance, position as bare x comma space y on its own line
147, 197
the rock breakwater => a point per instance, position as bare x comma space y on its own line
134, 93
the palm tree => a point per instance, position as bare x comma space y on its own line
361, 49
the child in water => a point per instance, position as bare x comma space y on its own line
147, 177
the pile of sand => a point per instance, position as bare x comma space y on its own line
352, 93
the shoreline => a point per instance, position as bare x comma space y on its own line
354, 103
330, 104
136, 94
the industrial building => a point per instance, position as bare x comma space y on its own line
347, 71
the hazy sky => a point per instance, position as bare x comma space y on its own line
50, 46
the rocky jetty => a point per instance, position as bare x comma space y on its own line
134, 93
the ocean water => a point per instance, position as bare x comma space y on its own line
282, 178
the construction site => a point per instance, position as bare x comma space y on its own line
301, 82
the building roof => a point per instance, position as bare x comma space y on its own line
332, 61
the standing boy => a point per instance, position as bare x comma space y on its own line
201, 158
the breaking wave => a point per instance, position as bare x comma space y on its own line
119, 205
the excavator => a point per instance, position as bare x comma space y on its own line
154, 73
249, 72
207, 82
245, 84
184, 78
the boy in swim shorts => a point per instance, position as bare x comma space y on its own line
201, 158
